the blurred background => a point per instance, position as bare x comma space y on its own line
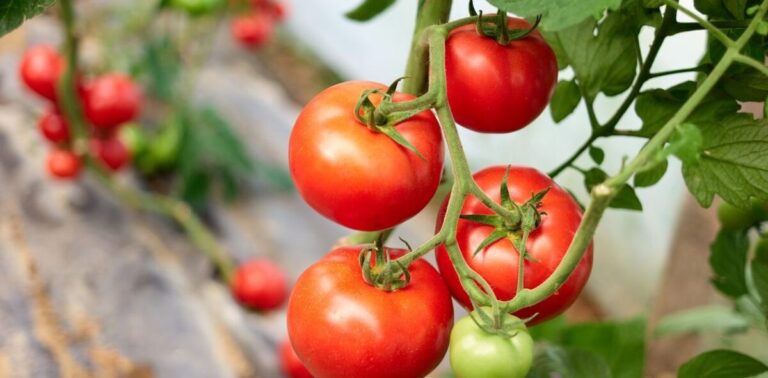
90, 287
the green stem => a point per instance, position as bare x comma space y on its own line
752, 63
712, 29
555, 172
430, 12
682, 27
200, 235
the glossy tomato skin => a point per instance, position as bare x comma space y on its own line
342, 327
290, 363
54, 127
357, 177
260, 285
111, 100
40, 69
475, 353
498, 263
253, 30
494, 88
63, 164
111, 151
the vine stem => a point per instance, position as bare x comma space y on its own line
178, 210
717, 33
430, 12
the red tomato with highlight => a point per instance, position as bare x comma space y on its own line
290, 363
494, 88
358, 177
547, 244
253, 30
40, 69
63, 164
112, 152
111, 100
260, 285
54, 127
340, 326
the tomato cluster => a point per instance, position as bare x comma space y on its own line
108, 102
255, 28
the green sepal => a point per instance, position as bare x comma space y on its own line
392, 133
490, 220
495, 236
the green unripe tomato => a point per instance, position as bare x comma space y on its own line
134, 139
164, 148
197, 7
735, 218
475, 353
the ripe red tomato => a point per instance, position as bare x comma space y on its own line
40, 69
547, 244
54, 127
357, 177
278, 11
290, 363
111, 151
111, 100
63, 164
494, 88
340, 326
260, 285
252, 30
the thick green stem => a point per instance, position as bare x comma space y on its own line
430, 12
200, 235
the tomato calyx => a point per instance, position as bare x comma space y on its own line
497, 28
516, 230
367, 114
383, 273
497, 322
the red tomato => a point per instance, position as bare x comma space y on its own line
40, 69
252, 30
494, 88
357, 177
111, 100
290, 363
278, 11
547, 244
54, 127
260, 285
340, 326
63, 164
111, 151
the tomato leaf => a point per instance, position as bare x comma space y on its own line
747, 85
14, 12
728, 9
603, 55
759, 272
728, 259
721, 364
597, 154
565, 99
732, 161
554, 361
709, 318
685, 143
651, 176
557, 15
369, 9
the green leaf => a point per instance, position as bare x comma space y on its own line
603, 56
723, 9
14, 12
651, 176
565, 99
652, 3
369, 9
721, 364
686, 144
597, 154
746, 85
728, 259
559, 14
759, 272
554, 361
702, 319
732, 163
625, 198
620, 345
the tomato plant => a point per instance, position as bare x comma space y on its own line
111, 100
290, 363
734, 218
336, 161
54, 127
498, 262
475, 352
260, 284
40, 69
341, 326
495, 88
63, 164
